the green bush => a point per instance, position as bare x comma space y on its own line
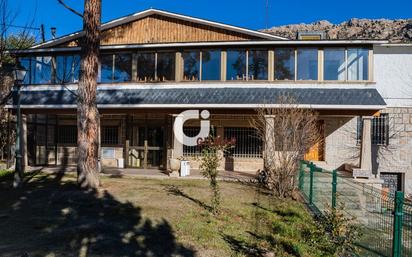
6, 174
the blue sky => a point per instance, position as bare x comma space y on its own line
244, 13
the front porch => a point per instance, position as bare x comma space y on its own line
141, 141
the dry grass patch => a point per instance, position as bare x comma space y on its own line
146, 217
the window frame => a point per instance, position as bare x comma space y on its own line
318, 69
113, 60
66, 143
245, 78
293, 49
72, 69
106, 142
248, 62
375, 128
248, 133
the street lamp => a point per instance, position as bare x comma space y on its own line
19, 75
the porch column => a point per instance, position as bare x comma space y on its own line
220, 133
269, 140
365, 169
177, 146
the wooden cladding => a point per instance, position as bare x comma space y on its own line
160, 29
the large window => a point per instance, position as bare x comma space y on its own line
248, 144
358, 64
67, 134
211, 65
258, 64
67, 68
307, 64
116, 67
146, 66
285, 64
122, 67
25, 62
334, 64
41, 70
191, 65
236, 65
166, 66
109, 135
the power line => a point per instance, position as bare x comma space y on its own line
21, 27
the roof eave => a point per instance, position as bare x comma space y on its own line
207, 44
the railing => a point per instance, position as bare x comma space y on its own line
385, 218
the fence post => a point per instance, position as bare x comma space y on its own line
334, 184
301, 176
312, 169
397, 225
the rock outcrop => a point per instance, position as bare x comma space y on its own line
392, 30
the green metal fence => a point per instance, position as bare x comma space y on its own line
385, 218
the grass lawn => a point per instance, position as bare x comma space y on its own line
144, 217
5, 174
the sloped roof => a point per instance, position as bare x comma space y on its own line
148, 12
218, 97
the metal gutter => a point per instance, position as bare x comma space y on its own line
209, 44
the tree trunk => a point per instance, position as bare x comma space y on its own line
88, 120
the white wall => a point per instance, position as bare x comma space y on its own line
393, 74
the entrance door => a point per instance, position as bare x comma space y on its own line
316, 152
147, 153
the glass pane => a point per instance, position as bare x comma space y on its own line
155, 136
334, 64
146, 67
211, 65
166, 66
284, 64
258, 65
67, 68
41, 70
25, 62
307, 64
236, 65
191, 66
76, 68
122, 68
358, 64
106, 70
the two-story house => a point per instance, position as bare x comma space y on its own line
156, 64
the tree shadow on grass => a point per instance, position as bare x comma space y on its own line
52, 217
244, 247
175, 190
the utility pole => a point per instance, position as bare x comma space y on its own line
43, 38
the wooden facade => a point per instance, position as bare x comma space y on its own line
161, 29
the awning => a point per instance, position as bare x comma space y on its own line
216, 97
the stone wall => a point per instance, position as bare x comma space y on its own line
397, 156
340, 141
341, 146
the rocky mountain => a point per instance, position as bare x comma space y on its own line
392, 30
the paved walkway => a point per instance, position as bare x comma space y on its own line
150, 173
